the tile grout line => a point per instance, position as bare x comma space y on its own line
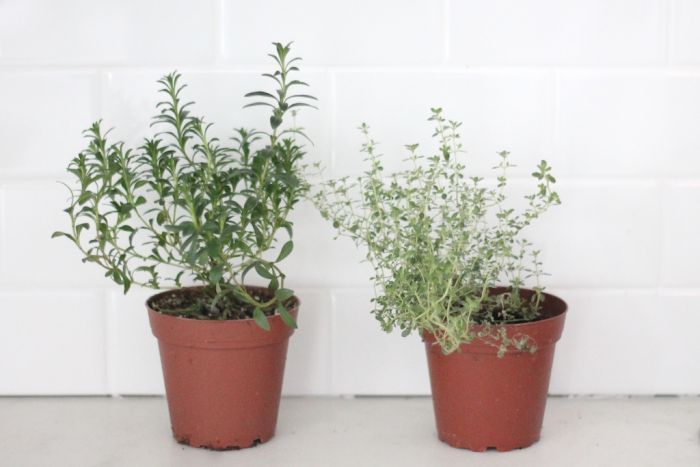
331, 389
332, 80
681, 289
218, 66
3, 229
105, 82
331, 339
556, 114
663, 195
674, 289
29, 179
108, 335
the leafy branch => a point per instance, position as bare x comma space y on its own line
439, 241
183, 206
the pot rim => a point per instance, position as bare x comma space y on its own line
292, 310
549, 327
556, 314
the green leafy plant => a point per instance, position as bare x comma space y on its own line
185, 206
440, 241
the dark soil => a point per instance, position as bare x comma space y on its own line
505, 308
500, 316
198, 303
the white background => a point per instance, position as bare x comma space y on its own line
608, 91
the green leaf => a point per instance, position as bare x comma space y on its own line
161, 217
263, 271
285, 250
260, 94
213, 248
303, 96
275, 122
261, 319
283, 294
84, 197
216, 273
286, 316
255, 104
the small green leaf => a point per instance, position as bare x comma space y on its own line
213, 248
84, 197
261, 319
283, 294
263, 271
286, 316
161, 217
216, 273
285, 250
64, 234
259, 94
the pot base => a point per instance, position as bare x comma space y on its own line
457, 442
218, 446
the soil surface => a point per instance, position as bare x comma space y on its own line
199, 303
503, 308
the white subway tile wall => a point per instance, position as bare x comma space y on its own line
552, 32
608, 91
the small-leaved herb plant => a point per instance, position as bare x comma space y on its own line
440, 241
187, 206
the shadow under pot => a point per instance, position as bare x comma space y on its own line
483, 401
223, 378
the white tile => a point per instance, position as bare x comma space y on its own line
604, 234
362, 32
128, 31
366, 360
319, 259
680, 252
133, 358
579, 32
676, 345
685, 35
42, 119
52, 342
308, 368
131, 96
29, 256
629, 124
613, 343
500, 110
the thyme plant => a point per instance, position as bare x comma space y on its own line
186, 206
439, 241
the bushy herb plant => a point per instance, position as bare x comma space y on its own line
185, 206
439, 241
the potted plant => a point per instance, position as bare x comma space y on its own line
450, 263
184, 208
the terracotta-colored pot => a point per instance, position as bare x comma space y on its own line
223, 379
484, 402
